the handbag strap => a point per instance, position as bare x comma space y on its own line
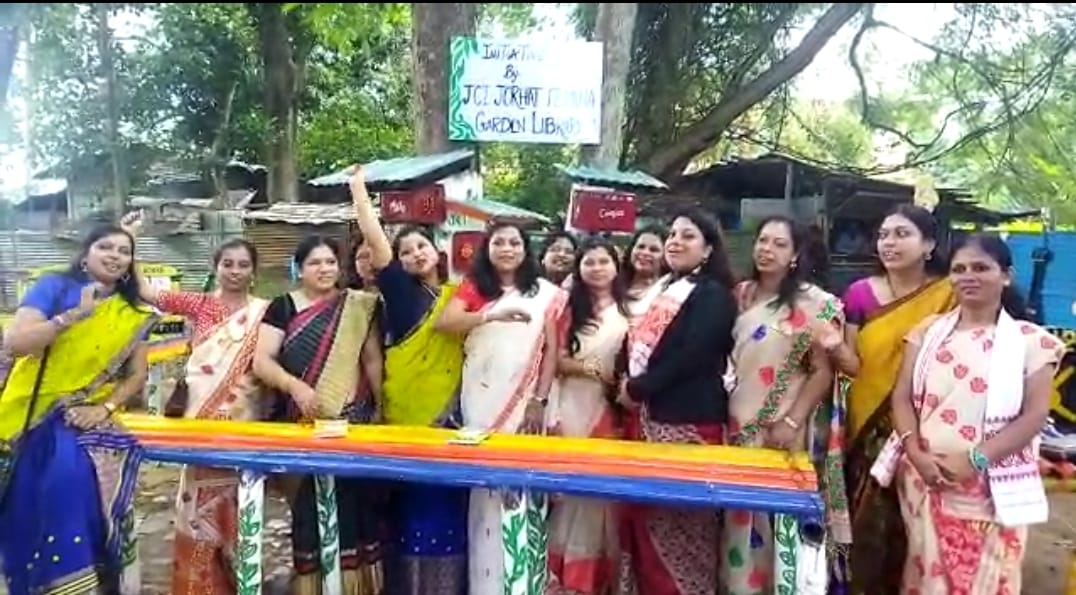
39, 378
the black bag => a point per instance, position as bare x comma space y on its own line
8, 450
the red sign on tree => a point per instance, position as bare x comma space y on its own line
423, 206
596, 210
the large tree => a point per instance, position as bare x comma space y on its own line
433, 27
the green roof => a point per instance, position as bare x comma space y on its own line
404, 172
612, 177
501, 209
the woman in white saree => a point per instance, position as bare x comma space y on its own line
582, 531
510, 317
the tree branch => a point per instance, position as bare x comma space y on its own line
669, 162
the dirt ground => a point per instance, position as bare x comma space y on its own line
1045, 566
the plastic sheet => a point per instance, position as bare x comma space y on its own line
718, 476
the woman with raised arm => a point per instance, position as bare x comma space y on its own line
879, 311
582, 531
972, 395
505, 303
220, 385
319, 348
677, 353
79, 339
421, 388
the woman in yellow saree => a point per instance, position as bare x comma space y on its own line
880, 310
66, 519
422, 377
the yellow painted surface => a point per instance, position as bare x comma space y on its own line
566, 447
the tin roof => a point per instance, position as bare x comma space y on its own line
611, 177
404, 172
297, 213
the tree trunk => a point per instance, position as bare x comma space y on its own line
105, 51
669, 162
12, 17
281, 91
432, 28
217, 157
615, 29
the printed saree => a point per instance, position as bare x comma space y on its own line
507, 528
422, 378
772, 350
220, 386
670, 551
66, 523
322, 346
876, 521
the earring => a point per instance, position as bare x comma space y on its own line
792, 265
125, 278
82, 266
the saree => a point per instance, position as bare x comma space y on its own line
506, 528
971, 537
67, 523
220, 386
422, 377
583, 548
772, 345
322, 346
666, 551
876, 521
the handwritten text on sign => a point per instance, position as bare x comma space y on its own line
507, 91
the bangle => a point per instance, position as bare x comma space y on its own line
592, 368
904, 437
110, 407
979, 461
791, 422
543, 401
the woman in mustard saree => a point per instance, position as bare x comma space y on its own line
880, 310
422, 378
66, 520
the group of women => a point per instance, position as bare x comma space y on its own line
919, 395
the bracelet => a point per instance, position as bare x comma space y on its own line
110, 407
979, 461
592, 368
543, 401
904, 436
791, 422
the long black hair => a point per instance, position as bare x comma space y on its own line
716, 266
792, 283
627, 267
580, 302
924, 221
996, 248
485, 276
126, 285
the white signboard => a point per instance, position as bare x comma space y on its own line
525, 92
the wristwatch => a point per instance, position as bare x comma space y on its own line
543, 401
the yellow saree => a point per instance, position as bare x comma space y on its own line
422, 371
68, 482
876, 521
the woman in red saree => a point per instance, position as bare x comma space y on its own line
220, 385
677, 354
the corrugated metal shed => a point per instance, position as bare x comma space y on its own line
617, 179
404, 172
21, 251
496, 209
276, 241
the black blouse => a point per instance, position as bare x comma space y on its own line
683, 382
